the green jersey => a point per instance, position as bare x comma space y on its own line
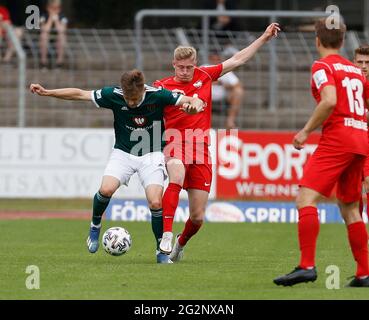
137, 130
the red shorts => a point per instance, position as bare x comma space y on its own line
325, 168
197, 162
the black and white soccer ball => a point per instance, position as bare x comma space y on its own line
116, 241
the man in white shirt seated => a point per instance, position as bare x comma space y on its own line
227, 94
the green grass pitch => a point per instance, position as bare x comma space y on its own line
224, 261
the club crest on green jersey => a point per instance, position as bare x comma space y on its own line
140, 121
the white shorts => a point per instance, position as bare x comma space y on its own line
149, 167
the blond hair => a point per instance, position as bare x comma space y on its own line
183, 52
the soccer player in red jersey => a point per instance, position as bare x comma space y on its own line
340, 90
187, 156
361, 59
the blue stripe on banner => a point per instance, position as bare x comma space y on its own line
217, 211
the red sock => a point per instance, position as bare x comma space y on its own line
170, 204
361, 206
358, 238
308, 230
189, 231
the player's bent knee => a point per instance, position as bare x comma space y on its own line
349, 211
176, 177
197, 216
300, 202
155, 204
176, 171
177, 180
107, 191
306, 198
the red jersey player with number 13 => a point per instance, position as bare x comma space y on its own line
187, 157
341, 89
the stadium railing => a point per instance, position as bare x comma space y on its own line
21, 59
95, 58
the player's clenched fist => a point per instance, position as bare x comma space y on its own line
299, 139
40, 90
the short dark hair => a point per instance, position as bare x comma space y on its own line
364, 50
132, 82
330, 38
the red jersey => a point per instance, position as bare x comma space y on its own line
4, 17
201, 86
346, 128
4, 14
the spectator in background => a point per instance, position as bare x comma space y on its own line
228, 94
15, 15
4, 19
222, 23
308, 24
53, 20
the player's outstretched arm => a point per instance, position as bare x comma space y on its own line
246, 54
320, 114
191, 105
65, 94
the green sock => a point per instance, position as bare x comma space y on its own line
100, 203
157, 225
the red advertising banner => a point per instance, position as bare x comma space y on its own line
260, 165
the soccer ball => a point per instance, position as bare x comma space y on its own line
116, 241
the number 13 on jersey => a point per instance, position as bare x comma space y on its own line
354, 89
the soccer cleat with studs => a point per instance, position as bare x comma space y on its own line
166, 243
93, 239
357, 282
162, 258
298, 275
177, 252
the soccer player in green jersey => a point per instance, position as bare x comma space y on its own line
139, 127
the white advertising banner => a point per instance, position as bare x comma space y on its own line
57, 163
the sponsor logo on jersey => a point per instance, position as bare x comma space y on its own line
98, 94
198, 84
356, 124
320, 77
124, 109
118, 91
347, 68
140, 121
